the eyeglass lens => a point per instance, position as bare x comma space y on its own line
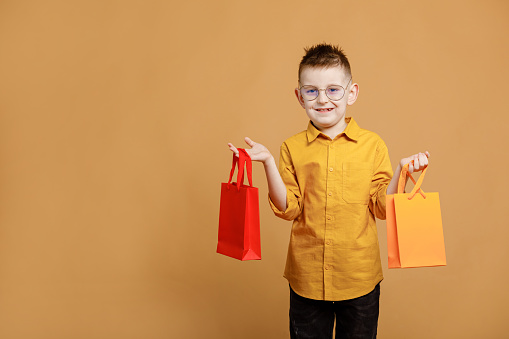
333, 92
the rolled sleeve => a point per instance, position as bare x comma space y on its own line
382, 175
293, 196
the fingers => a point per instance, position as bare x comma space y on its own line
416, 162
250, 142
423, 160
234, 149
413, 164
420, 161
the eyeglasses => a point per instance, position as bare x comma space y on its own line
334, 92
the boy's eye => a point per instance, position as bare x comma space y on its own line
311, 90
333, 90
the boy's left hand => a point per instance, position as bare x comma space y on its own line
420, 161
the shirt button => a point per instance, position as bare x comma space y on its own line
330, 193
331, 146
328, 242
328, 267
331, 169
329, 218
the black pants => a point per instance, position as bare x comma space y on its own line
355, 318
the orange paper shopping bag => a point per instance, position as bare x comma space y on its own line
239, 216
414, 226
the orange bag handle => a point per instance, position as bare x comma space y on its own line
417, 188
243, 159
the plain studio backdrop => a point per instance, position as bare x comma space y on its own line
114, 123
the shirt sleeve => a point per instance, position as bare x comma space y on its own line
381, 178
293, 195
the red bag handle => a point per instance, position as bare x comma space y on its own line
417, 187
243, 158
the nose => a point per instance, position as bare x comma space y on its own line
322, 97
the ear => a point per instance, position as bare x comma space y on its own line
299, 98
352, 94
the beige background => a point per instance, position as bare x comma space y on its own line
114, 121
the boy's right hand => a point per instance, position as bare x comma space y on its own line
277, 188
258, 152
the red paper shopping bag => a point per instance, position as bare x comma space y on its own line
239, 216
414, 226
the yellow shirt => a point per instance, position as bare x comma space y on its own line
335, 188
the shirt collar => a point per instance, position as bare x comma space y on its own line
351, 131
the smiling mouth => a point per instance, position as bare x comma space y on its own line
323, 109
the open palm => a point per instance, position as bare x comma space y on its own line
258, 152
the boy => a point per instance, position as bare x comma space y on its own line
332, 182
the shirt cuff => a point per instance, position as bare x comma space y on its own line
291, 208
378, 201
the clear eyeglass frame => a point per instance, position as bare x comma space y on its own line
308, 97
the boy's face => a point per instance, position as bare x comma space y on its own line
322, 111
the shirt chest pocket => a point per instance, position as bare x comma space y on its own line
357, 178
